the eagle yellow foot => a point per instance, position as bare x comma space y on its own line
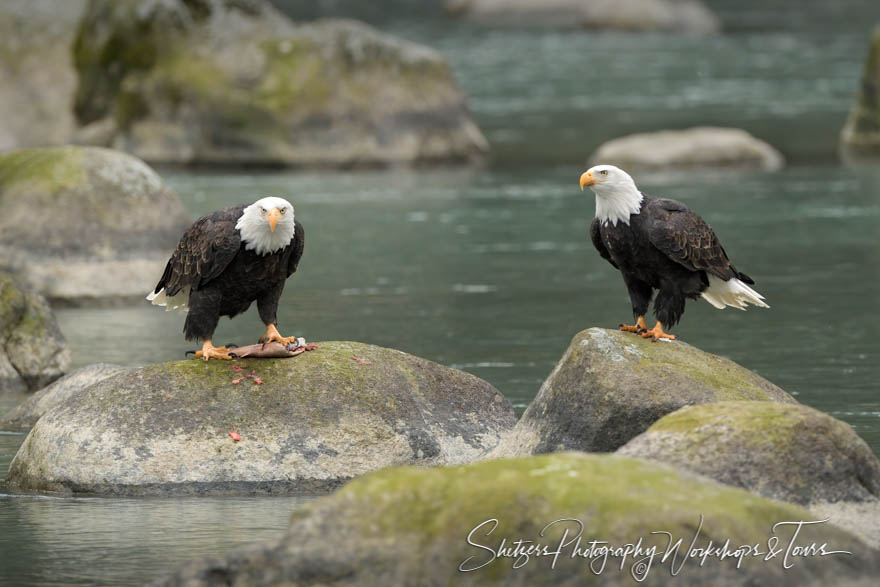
638, 328
210, 351
657, 333
272, 335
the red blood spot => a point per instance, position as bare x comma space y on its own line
361, 361
311, 347
233, 434
236, 381
258, 381
236, 368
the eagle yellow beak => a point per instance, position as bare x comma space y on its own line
587, 179
272, 218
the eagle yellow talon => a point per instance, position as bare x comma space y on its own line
638, 328
210, 351
272, 335
657, 333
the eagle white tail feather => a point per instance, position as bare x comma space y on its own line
176, 302
733, 292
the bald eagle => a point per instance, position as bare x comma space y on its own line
227, 260
660, 244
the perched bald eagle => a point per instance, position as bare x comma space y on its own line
227, 260
660, 244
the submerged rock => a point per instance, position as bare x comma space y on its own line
26, 414
83, 224
688, 16
37, 78
309, 424
411, 526
235, 82
698, 147
610, 386
861, 133
782, 451
33, 351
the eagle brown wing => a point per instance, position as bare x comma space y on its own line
596, 237
299, 243
204, 251
687, 239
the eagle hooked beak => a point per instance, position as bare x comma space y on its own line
587, 179
272, 218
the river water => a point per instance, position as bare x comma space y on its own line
489, 269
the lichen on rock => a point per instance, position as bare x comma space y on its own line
611, 386
310, 424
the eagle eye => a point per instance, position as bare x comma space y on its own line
603, 172
263, 209
283, 210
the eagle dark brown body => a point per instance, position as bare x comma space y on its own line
666, 247
659, 244
224, 275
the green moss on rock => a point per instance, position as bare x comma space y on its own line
783, 451
220, 82
49, 169
395, 524
32, 348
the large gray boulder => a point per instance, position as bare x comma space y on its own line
782, 451
610, 386
25, 415
688, 16
698, 147
235, 82
37, 78
445, 526
83, 224
308, 424
861, 133
33, 351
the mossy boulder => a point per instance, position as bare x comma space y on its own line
26, 414
687, 16
410, 526
610, 386
84, 224
697, 147
306, 424
782, 451
222, 82
861, 132
33, 351
37, 77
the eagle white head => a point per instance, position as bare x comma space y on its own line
616, 193
267, 225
